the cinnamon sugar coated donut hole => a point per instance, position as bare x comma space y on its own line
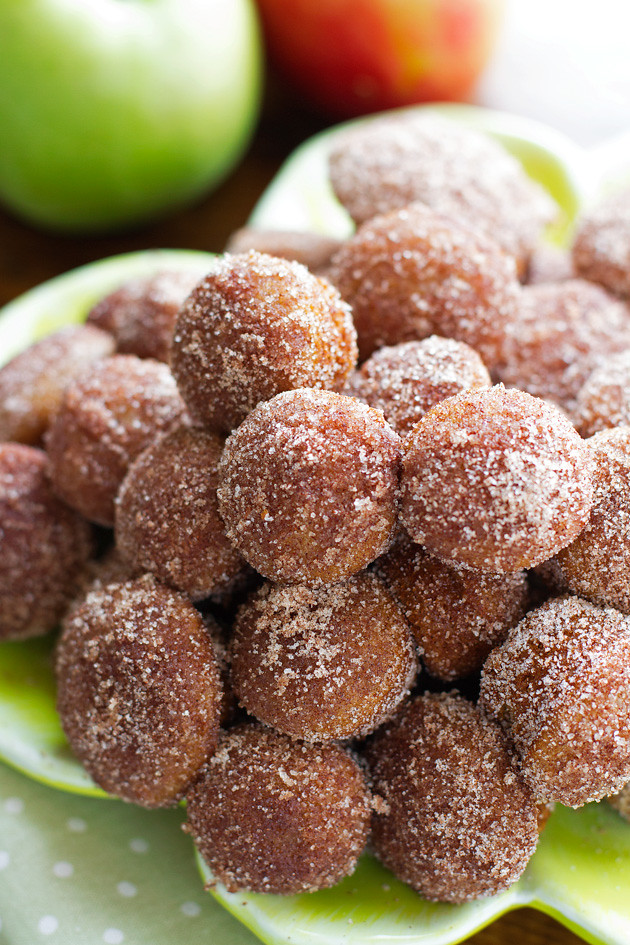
257, 325
324, 663
139, 693
597, 564
559, 687
273, 815
107, 417
308, 487
564, 331
413, 273
32, 383
604, 399
459, 822
311, 249
391, 161
495, 479
141, 313
167, 518
601, 246
457, 615
406, 380
44, 546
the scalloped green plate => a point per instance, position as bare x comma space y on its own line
580, 873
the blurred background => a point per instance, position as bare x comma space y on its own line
562, 63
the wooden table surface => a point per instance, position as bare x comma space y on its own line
29, 256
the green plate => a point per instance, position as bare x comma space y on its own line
580, 873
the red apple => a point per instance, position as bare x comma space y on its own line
351, 57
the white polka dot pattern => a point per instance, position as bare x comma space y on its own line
113, 937
63, 870
138, 845
127, 889
190, 908
14, 805
48, 924
77, 870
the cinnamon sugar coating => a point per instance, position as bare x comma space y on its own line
255, 326
44, 546
107, 417
308, 487
311, 249
597, 564
219, 643
559, 687
412, 273
621, 801
457, 615
406, 380
276, 816
604, 399
495, 479
549, 263
563, 332
32, 383
325, 663
141, 313
460, 822
167, 517
139, 693
601, 246
392, 161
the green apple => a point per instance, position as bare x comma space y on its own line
113, 112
